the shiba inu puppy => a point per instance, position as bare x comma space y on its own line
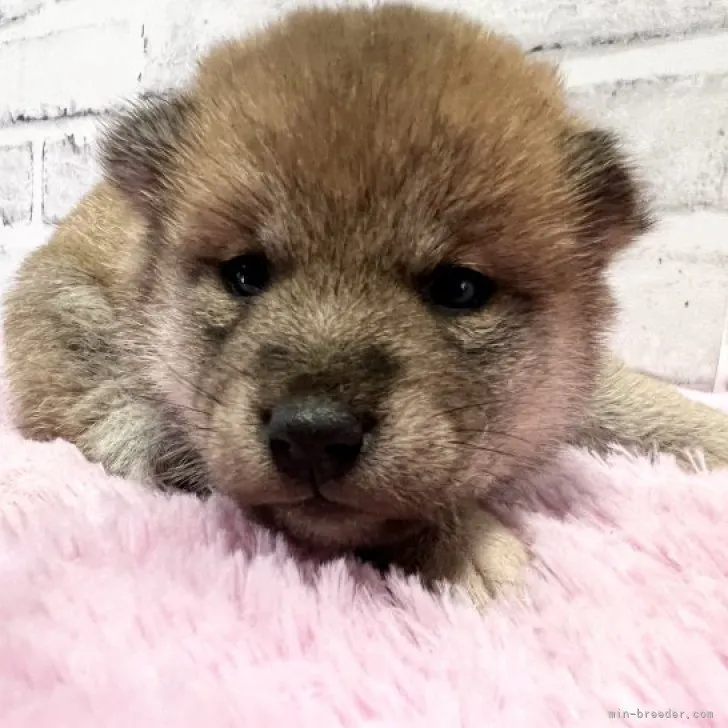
352, 275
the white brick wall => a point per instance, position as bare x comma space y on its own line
68, 168
657, 72
16, 183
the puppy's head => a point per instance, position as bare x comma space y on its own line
376, 249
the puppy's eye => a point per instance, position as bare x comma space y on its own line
246, 275
457, 288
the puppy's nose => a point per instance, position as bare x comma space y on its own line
314, 440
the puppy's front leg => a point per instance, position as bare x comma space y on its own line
481, 555
645, 416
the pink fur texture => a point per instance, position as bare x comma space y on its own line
121, 607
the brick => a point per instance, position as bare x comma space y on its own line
178, 31
16, 184
71, 71
670, 321
576, 22
701, 55
677, 130
69, 171
14, 10
673, 294
721, 379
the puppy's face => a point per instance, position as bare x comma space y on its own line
375, 259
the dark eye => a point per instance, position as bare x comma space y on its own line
457, 288
246, 275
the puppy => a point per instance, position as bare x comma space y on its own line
352, 276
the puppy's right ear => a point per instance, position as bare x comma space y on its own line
140, 148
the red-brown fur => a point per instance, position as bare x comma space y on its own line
357, 150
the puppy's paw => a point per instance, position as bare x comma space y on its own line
494, 561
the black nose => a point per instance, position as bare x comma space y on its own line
314, 440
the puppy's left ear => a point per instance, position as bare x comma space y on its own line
613, 211
141, 147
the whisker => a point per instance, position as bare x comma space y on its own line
496, 433
464, 407
196, 387
520, 457
504, 453
237, 370
485, 429
481, 470
159, 402
204, 428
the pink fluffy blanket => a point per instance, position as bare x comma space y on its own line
123, 607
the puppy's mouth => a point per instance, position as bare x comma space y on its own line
325, 527
321, 505
308, 498
318, 506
